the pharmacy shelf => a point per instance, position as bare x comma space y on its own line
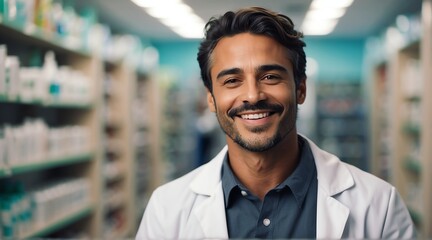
23, 41
84, 106
415, 215
43, 165
340, 121
147, 118
406, 127
401, 107
33, 35
118, 149
379, 120
426, 119
413, 165
60, 223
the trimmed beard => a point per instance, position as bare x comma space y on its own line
254, 145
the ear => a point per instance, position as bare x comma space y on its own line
210, 101
301, 91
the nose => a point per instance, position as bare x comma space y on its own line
253, 92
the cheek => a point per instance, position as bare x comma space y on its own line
283, 95
226, 100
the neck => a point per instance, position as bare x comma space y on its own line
262, 171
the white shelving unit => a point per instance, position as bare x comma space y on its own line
110, 153
401, 113
59, 159
118, 151
146, 140
380, 118
426, 133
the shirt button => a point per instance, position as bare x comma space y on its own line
244, 193
266, 222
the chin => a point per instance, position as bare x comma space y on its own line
258, 146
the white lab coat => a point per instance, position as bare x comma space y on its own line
350, 204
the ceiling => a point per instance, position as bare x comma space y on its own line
362, 19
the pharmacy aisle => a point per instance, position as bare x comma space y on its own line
49, 136
66, 143
401, 111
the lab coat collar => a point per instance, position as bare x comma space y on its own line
333, 178
211, 212
207, 181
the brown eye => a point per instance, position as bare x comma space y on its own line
271, 77
231, 82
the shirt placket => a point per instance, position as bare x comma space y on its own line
267, 217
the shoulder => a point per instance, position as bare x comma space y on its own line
336, 176
200, 181
168, 207
369, 183
177, 187
379, 204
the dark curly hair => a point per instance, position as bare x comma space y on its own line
255, 20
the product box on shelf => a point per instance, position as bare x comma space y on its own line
3, 54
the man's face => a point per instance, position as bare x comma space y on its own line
254, 93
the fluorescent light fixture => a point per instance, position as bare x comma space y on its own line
189, 19
189, 31
175, 14
323, 16
328, 13
178, 9
331, 3
319, 28
154, 3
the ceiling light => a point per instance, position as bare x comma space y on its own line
153, 3
328, 13
319, 28
175, 14
331, 3
190, 31
175, 22
323, 15
176, 10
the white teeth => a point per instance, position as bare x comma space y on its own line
255, 116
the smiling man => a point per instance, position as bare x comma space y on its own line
269, 181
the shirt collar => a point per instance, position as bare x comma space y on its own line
298, 182
229, 180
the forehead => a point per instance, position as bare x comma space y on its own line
248, 49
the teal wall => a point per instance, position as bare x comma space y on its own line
179, 56
338, 59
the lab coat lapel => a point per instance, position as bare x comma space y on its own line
210, 212
332, 217
211, 216
333, 179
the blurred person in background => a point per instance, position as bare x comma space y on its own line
269, 181
209, 139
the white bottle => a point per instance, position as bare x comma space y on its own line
50, 70
12, 77
3, 54
2, 152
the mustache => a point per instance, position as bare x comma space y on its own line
253, 107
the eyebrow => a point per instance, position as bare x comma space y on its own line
271, 67
262, 68
228, 72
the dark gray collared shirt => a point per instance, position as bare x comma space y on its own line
288, 210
